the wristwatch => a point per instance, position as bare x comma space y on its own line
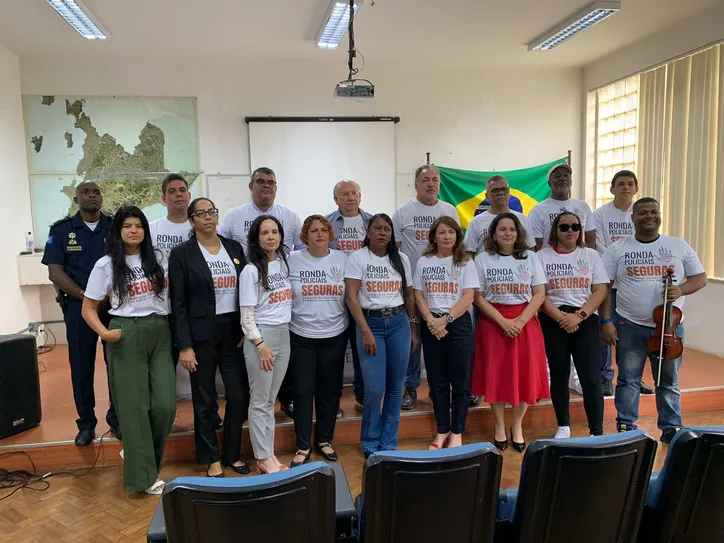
449, 317
582, 314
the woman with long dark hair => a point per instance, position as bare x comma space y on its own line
445, 283
380, 298
577, 285
509, 365
318, 332
265, 296
203, 280
140, 368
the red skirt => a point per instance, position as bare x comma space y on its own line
511, 370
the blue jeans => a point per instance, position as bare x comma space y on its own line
605, 350
414, 368
631, 355
383, 376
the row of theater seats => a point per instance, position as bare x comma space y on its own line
597, 489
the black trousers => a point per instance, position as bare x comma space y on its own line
316, 367
448, 363
358, 384
583, 346
223, 353
82, 345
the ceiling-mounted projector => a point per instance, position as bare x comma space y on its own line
354, 90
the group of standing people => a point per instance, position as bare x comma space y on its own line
272, 302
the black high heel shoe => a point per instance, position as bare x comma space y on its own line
329, 457
304, 455
520, 447
501, 445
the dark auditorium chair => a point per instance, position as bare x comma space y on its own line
294, 506
588, 489
430, 496
685, 501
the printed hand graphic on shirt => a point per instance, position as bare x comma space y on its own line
454, 273
582, 266
665, 255
336, 274
523, 273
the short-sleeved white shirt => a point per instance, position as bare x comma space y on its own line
237, 223
571, 275
380, 283
612, 224
638, 269
223, 276
273, 306
443, 282
478, 229
506, 280
541, 217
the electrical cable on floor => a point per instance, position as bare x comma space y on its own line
19, 479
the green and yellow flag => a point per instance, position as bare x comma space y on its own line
466, 189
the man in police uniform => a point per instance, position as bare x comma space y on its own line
73, 247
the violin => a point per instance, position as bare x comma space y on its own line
664, 342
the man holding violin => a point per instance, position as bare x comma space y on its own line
639, 264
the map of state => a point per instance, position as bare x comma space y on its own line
126, 145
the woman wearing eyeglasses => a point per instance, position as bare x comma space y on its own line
577, 284
204, 288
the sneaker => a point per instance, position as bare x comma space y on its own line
409, 399
668, 434
625, 428
474, 400
358, 406
607, 389
564, 432
645, 389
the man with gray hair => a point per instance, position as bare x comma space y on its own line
349, 224
411, 222
497, 192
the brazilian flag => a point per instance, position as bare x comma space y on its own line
465, 189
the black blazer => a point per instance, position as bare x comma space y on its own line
191, 289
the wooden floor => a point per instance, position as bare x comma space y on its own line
94, 508
698, 371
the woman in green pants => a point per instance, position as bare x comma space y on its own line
141, 371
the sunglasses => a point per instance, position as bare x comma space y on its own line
567, 227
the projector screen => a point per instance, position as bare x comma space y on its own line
309, 158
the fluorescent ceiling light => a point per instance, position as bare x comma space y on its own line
75, 14
336, 24
583, 20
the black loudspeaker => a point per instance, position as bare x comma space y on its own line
19, 385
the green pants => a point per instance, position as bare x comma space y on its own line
143, 387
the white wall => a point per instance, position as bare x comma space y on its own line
703, 310
19, 306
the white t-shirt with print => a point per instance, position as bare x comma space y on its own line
541, 217
352, 235
318, 307
237, 223
478, 229
571, 275
638, 269
506, 280
165, 235
612, 224
381, 285
142, 300
273, 306
442, 282
223, 275
412, 222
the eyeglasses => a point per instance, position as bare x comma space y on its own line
201, 213
265, 183
567, 227
501, 190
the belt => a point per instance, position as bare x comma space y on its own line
385, 313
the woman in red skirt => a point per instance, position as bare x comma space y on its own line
510, 359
